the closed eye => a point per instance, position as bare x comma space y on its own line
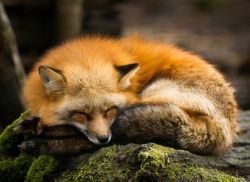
111, 113
80, 117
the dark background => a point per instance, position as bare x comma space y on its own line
218, 30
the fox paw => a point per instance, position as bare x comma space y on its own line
29, 147
28, 127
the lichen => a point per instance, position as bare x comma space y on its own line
42, 169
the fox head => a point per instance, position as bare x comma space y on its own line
87, 98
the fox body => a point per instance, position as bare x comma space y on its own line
151, 90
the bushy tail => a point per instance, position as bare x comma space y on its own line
169, 125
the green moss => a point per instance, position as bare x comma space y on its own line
180, 172
42, 169
103, 165
13, 164
15, 170
156, 165
153, 159
9, 140
167, 150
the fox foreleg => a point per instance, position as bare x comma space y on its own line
60, 139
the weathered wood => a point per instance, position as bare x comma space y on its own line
7, 37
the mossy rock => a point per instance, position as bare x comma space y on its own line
131, 162
103, 165
43, 169
148, 162
16, 169
13, 164
10, 139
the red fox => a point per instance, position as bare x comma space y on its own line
152, 90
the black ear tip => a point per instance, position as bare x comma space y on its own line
133, 65
123, 70
41, 68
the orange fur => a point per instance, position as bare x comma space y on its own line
166, 74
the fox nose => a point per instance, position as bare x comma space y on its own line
103, 139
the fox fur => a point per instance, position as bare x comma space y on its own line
145, 91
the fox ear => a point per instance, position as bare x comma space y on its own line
126, 73
53, 80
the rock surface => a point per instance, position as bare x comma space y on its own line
131, 162
239, 155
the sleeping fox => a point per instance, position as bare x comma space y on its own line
152, 91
